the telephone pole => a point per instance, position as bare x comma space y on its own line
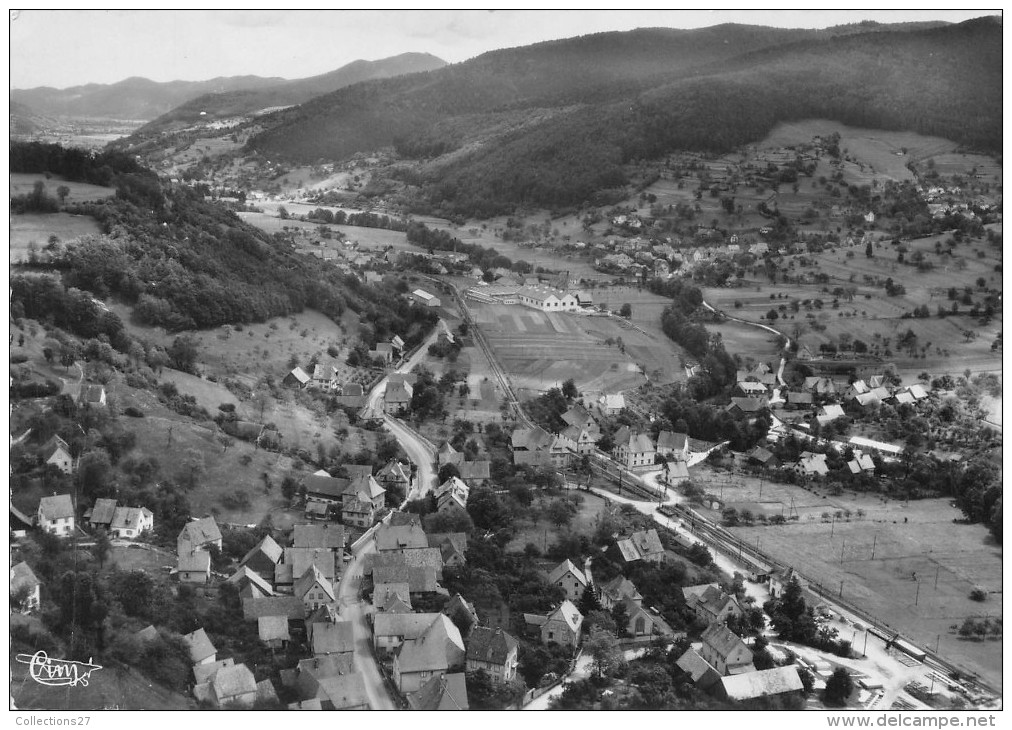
873, 543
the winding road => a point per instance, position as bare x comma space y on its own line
423, 454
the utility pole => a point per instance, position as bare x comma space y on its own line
873, 543
937, 569
841, 596
918, 594
841, 551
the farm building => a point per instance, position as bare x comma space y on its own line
297, 378
425, 299
57, 452
763, 683
56, 514
863, 443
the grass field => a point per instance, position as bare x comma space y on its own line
908, 538
37, 228
22, 183
541, 350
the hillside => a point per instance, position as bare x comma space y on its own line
211, 106
601, 101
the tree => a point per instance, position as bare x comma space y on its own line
446, 471
62, 192
135, 591
625, 310
68, 355
193, 467
838, 688
588, 602
94, 474
604, 650
486, 510
620, 615
101, 547
183, 353
868, 250
791, 616
561, 512
569, 389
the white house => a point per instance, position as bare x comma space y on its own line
424, 298
131, 521
24, 579
56, 514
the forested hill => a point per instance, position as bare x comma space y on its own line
597, 102
286, 93
184, 263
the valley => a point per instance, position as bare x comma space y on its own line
641, 341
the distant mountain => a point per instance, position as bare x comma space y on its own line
132, 98
140, 98
208, 107
553, 123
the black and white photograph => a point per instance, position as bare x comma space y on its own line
506, 360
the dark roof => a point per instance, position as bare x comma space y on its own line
490, 645
405, 537
103, 511
290, 606
446, 692
326, 535
57, 507
722, 640
268, 547
201, 531
332, 487
419, 580
336, 638
474, 470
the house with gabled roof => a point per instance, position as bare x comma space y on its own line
569, 578
194, 567
641, 545
198, 534
632, 449
452, 547
392, 630
129, 522
477, 472
251, 584
202, 672
201, 649
799, 399
290, 606
397, 397
313, 588
448, 455
273, 631
861, 463
829, 412
326, 536
441, 692
562, 625
812, 464
611, 403
405, 537
296, 378
263, 557
391, 596
493, 650
725, 651
579, 439
56, 452
713, 605
420, 579
747, 406
417, 558
437, 651
643, 621
394, 473
102, 513
233, 686
333, 638
531, 446
673, 444
56, 515
617, 590
580, 417
701, 674
299, 560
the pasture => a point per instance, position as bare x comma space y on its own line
35, 228
22, 184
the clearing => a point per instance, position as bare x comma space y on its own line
37, 228
22, 183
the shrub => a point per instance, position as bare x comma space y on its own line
978, 594
133, 412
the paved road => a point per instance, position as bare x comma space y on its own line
354, 610
420, 451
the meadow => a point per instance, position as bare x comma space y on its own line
35, 228
878, 550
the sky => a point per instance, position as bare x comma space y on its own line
63, 48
